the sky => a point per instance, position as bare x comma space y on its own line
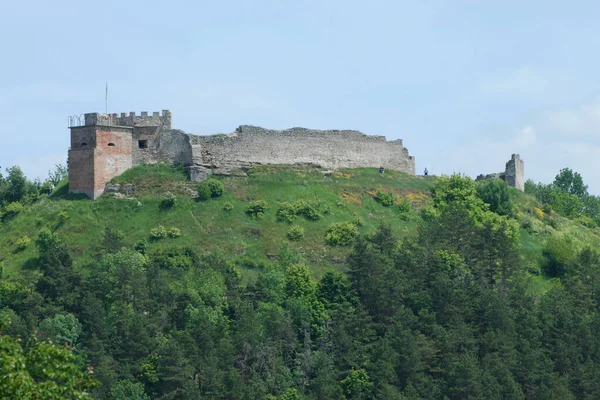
464, 83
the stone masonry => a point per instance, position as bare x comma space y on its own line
106, 145
513, 175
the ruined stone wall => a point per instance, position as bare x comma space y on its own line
160, 146
328, 148
515, 173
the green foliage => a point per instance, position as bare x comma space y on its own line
496, 194
341, 234
295, 232
386, 199
61, 328
570, 182
174, 232
286, 212
403, 205
210, 188
141, 246
41, 370
157, 233
256, 209
12, 209
60, 172
357, 385
204, 192
168, 201
63, 216
558, 256
127, 390
228, 207
216, 187
22, 243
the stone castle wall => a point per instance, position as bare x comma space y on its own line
108, 144
250, 145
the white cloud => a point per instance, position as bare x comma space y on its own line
521, 81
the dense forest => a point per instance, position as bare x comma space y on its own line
444, 312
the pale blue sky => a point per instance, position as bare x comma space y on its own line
463, 83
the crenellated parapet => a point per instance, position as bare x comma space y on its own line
163, 119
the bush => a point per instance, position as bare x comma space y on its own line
286, 212
341, 234
228, 207
385, 198
308, 210
141, 246
256, 209
204, 192
210, 188
295, 232
169, 201
216, 187
158, 233
174, 232
22, 243
497, 195
403, 205
12, 209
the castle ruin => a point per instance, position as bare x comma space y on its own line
106, 145
513, 175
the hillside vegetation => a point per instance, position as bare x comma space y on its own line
300, 283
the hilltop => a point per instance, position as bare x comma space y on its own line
206, 226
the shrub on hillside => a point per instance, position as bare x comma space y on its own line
210, 188
256, 209
403, 205
308, 209
174, 232
141, 246
386, 199
341, 234
168, 201
204, 192
157, 233
228, 207
12, 209
295, 232
286, 212
22, 243
216, 187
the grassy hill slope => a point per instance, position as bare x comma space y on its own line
345, 195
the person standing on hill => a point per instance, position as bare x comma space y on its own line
381, 170
426, 173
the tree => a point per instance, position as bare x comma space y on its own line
570, 182
42, 370
496, 194
60, 172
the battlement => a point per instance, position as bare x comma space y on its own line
163, 120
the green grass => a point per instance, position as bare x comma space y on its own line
207, 227
346, 195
